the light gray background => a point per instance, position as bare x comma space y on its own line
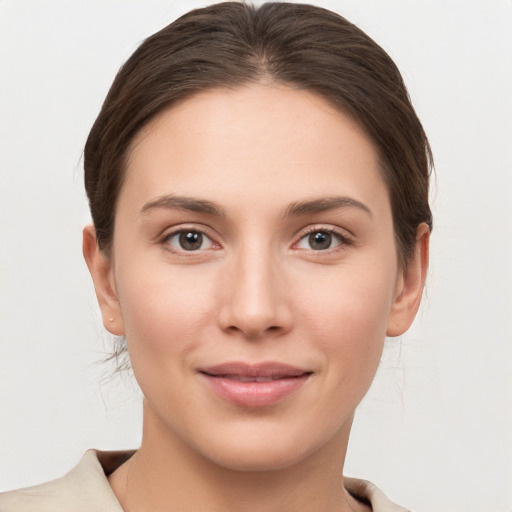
435, 430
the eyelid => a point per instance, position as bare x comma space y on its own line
345, 238
181, 228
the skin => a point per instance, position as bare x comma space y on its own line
256, 290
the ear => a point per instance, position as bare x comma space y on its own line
410, 285
102, 273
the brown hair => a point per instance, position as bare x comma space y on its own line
230, 44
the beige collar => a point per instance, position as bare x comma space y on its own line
86, 488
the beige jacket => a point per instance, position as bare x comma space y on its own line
86, 489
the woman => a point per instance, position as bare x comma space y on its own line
258, 183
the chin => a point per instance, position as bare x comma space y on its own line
257, 459
268, 449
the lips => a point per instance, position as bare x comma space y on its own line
256, 385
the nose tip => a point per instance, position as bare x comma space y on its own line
254, 304
251, 324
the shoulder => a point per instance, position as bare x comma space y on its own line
86, 488
369, 493
83, 489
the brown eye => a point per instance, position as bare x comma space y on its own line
320, 240
188, 240
191, 240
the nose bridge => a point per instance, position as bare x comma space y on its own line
254, 302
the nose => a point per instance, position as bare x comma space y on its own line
255, 301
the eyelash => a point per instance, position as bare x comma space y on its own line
344, 240
165, 239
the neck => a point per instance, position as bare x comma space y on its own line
166, 474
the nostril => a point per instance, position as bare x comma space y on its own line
252, 332
254, 312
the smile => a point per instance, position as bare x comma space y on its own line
242, 378
258, 385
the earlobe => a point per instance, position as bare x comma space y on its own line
410, 286
100, 267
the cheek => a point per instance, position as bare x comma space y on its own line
164, 311
347, 313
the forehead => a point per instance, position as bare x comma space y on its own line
256, 140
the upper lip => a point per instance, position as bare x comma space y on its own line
271, 369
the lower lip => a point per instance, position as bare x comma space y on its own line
255, 394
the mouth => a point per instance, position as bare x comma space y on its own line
242, 378
258, 385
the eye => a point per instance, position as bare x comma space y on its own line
321, 240
188, 240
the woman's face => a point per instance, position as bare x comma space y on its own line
254, 274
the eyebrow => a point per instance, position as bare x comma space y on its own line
175, 202
324, 204
191, 204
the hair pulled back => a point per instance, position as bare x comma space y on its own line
231, 44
